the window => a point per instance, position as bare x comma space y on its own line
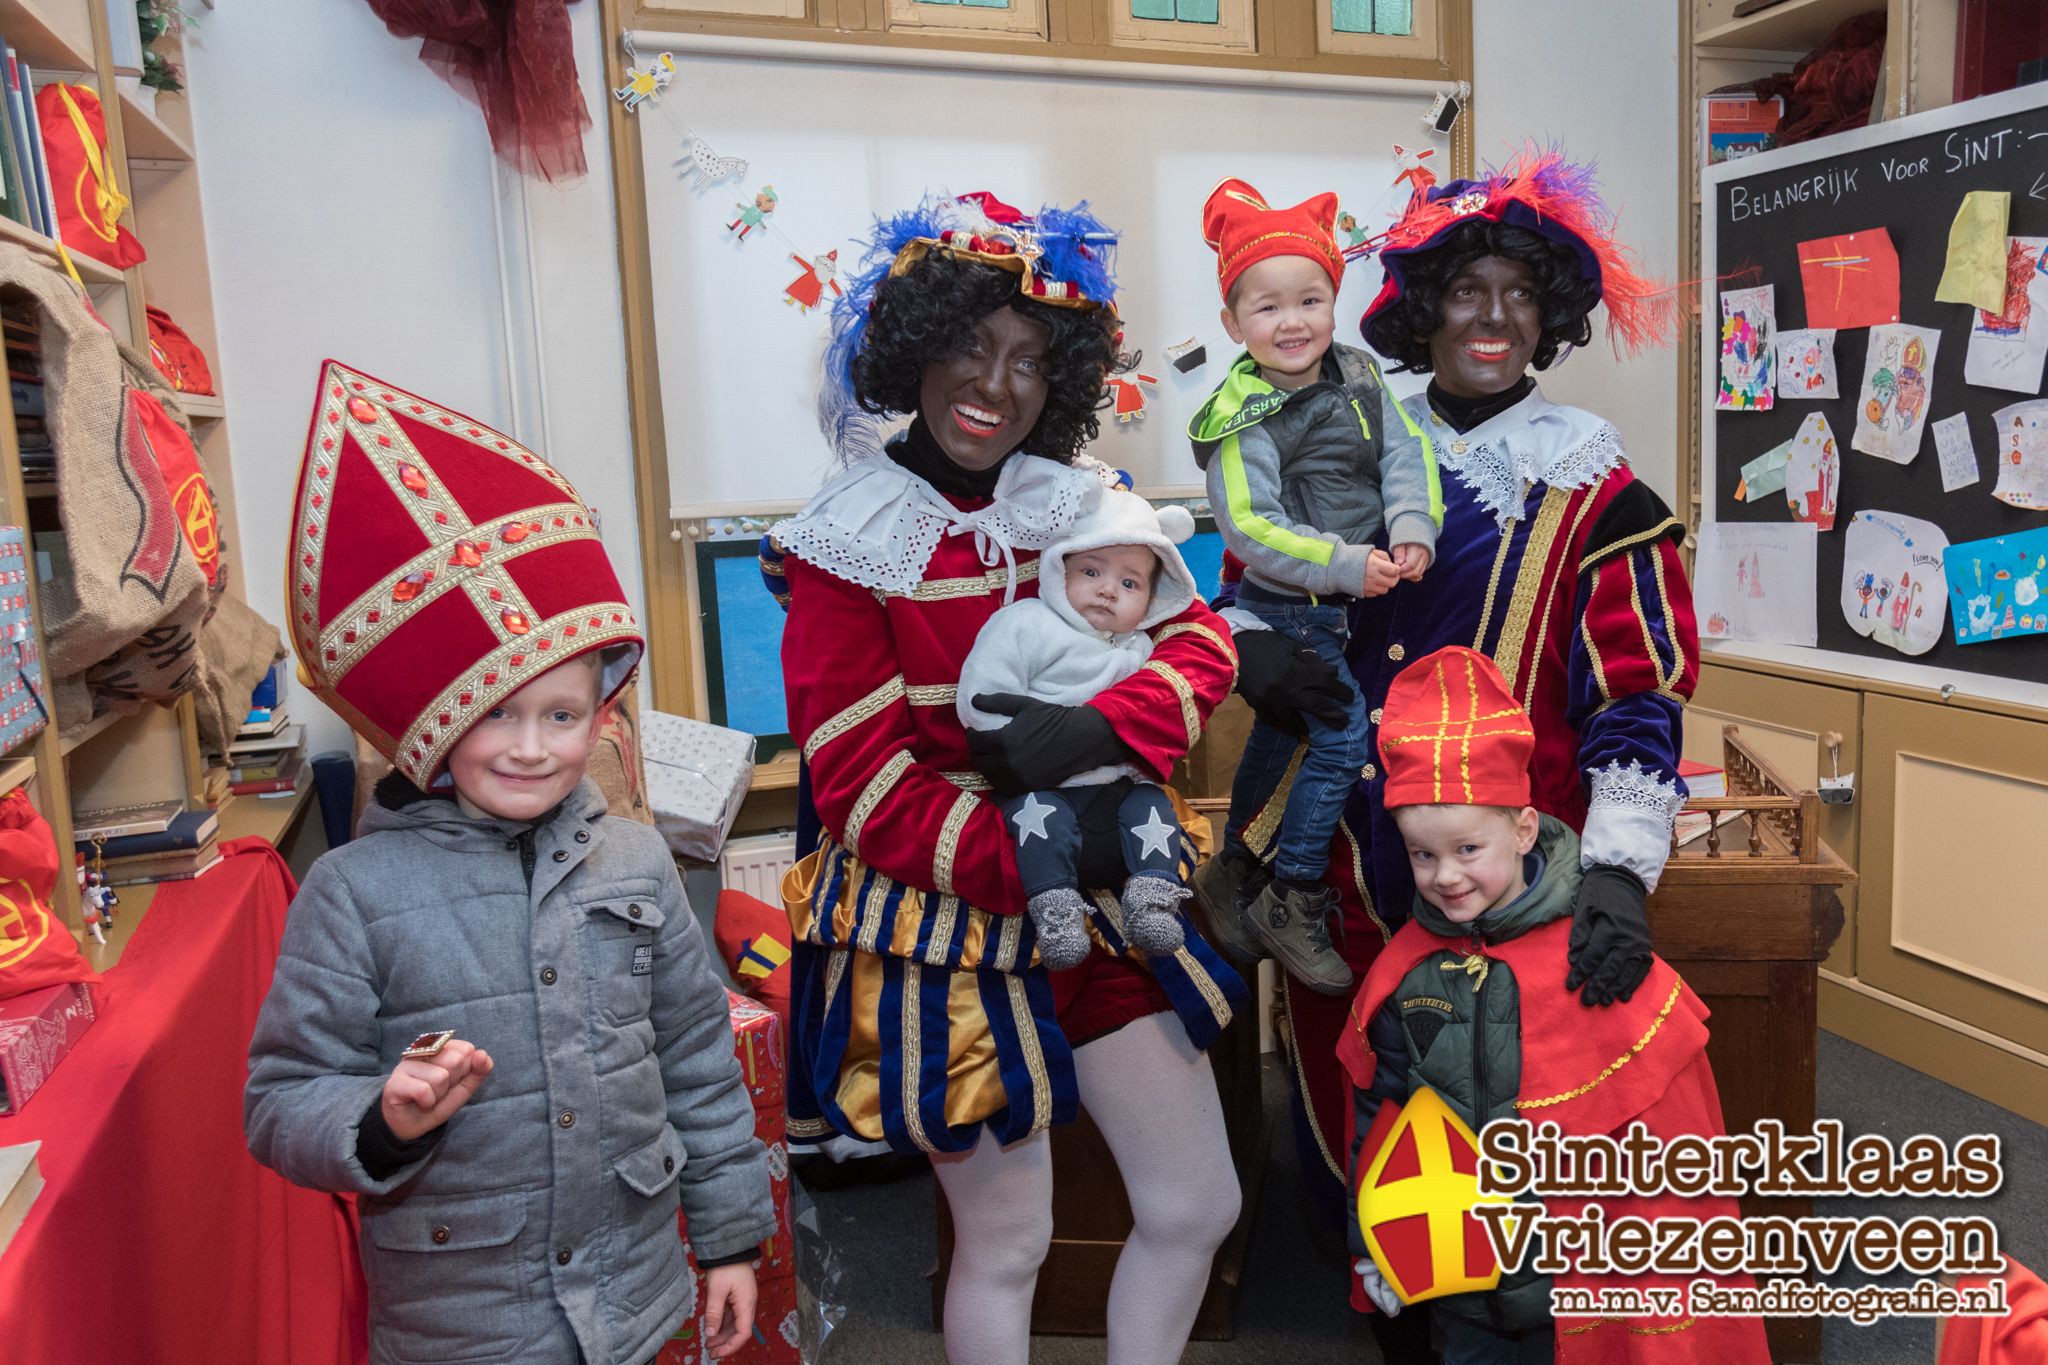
1392, 18
971, 18
1204, 25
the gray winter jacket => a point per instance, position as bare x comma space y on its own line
543, 1223
1302, 482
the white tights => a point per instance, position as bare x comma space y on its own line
1152, 1095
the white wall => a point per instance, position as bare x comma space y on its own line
364, 217
1599, 77
359, 216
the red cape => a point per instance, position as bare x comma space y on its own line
1594, 1071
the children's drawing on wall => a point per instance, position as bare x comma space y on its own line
1850, 280
1898, 383
1995, 586
1755, 581
820, 273
1748, 348
2007, 347
1892, 586
2022, 454
1806, 363
1958, 455
1765, 474
755, 214
1813, 473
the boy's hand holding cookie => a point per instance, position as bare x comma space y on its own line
1381, 572
1412, 559
422, 1092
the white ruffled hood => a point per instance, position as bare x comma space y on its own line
1122, 518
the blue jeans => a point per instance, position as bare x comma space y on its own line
1467, 1343
1335, 753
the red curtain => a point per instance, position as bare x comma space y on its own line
515, 59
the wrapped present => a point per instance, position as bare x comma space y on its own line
36, 1031
697, 775
22, 710
757, 1043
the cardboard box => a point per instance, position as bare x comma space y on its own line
36, 1030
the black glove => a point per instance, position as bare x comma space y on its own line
1610, 943
1284, 682
1043, 745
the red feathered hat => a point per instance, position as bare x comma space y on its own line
1555, 199
1243, 230
1452, 733
436, 568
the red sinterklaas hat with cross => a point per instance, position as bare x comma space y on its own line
1452, 733
438, 566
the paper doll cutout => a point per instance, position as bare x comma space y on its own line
820, 273
1130, 399
1898, 382
2022, 454
1748, 350
1188, 356
2007, 345
1418, 177
1851, 280
1958, 456
1892, 585
1975, 270
1755, 581
1813, 473
1806, 363
1996, 586
755, 214
644, 85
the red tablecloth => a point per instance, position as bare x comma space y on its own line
157, 1237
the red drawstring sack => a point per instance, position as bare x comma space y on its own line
36, 950
176, 356
89, 203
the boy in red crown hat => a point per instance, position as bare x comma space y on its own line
518, 1184
1468, 999
1310, 462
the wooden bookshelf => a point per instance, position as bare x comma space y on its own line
151, 754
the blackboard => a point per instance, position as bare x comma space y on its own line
1908, 177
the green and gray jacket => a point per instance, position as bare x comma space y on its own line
1459, 1033
1302, 482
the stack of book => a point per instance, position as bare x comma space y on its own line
268, 756
24, 173
160, 842
18, 323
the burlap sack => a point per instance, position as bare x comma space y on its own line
236, 648
139, 518
615, 765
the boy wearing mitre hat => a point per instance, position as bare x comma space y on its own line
494, 1020
1468, 999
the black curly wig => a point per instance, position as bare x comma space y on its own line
1402, 331
927, 314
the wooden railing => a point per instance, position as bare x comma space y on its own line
1781, 823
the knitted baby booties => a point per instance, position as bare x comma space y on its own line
1152, 914
1061, 916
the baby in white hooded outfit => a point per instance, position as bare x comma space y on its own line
1115, 576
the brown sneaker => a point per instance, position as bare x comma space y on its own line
1223, 887
1295, 927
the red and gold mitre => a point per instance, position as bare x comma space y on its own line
1452, 733
438, 566
1415, 1200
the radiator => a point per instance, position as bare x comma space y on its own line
755, 865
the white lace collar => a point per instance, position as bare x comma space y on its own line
1535, 441
876, 524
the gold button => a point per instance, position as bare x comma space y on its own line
1396, 653
1368, 772
1457, 447
1376, 713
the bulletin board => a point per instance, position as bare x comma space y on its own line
845, 133
1908, 177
